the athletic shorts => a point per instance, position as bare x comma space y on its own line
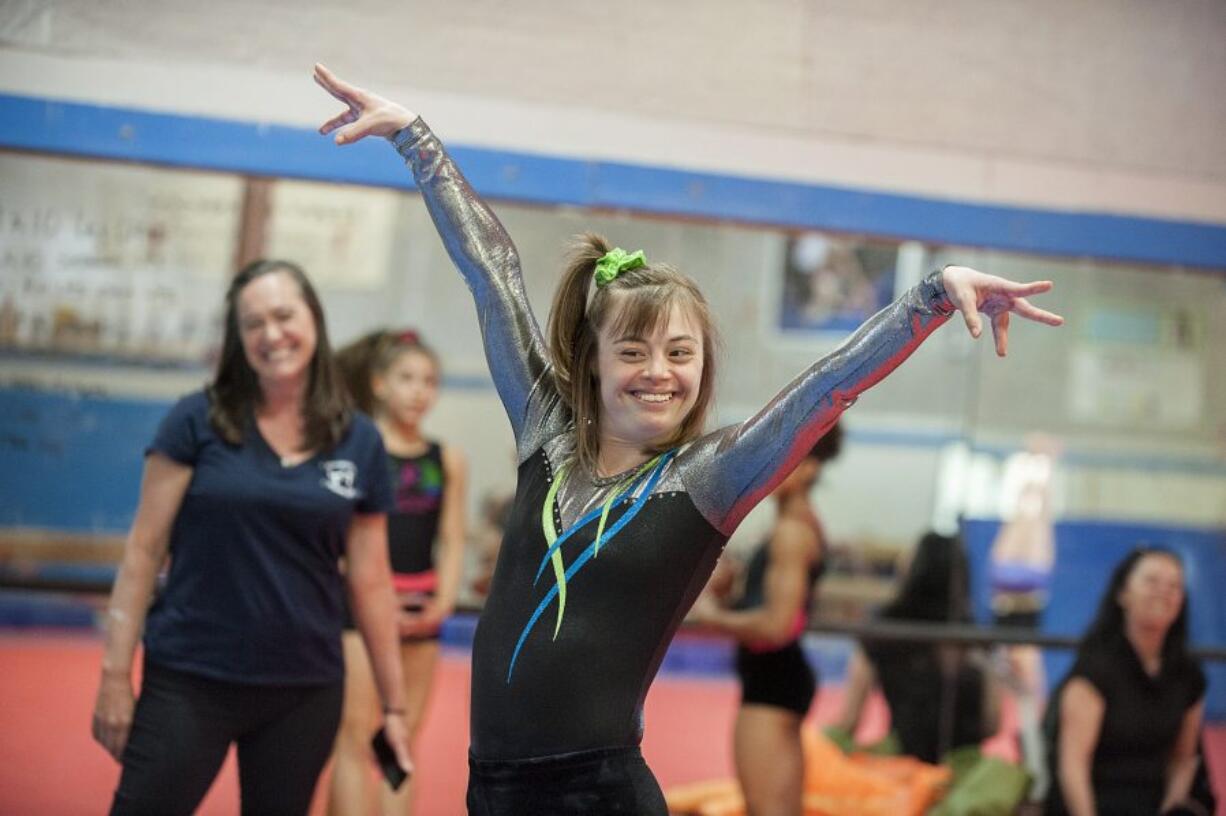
781, 678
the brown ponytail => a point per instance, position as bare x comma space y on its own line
355, 361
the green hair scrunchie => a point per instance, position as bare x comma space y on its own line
614, 262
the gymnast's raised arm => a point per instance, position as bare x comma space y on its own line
734, 468
479, 247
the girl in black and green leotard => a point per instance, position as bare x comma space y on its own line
623, 502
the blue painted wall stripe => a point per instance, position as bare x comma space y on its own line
273, 150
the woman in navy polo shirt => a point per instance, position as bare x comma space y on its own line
253, 487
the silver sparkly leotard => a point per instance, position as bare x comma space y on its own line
564, 653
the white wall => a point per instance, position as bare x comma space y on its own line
1103, 105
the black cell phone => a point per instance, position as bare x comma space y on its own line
392, 772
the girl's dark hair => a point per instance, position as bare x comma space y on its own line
1108, 624
829, 446
373, 354
235, 390
645, 297
937, 585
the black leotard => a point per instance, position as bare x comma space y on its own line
548, 680
419, 483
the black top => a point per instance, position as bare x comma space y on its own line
581, 685
754, 593
1142, 718
418, 483
935, 705
254, 594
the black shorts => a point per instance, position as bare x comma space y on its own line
601, 781
781, 678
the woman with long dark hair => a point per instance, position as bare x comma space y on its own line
624, 501
940, 697
1125, 723
253, 488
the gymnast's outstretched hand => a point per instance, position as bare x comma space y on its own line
974, 293
365, 114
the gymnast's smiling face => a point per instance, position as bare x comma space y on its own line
650, 379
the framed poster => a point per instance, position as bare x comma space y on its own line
832, 283
114, 261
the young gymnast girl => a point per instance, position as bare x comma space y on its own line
623, 503
394, 377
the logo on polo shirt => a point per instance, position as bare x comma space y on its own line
340, 475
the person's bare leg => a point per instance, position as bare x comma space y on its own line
352, 790
769, 760
419, 660
1026, 663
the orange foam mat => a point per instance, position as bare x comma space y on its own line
49, 764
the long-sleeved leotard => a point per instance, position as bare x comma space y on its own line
565, 652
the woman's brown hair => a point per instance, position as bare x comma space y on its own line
637, 301
235, 393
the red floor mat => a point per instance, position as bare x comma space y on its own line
49, 764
